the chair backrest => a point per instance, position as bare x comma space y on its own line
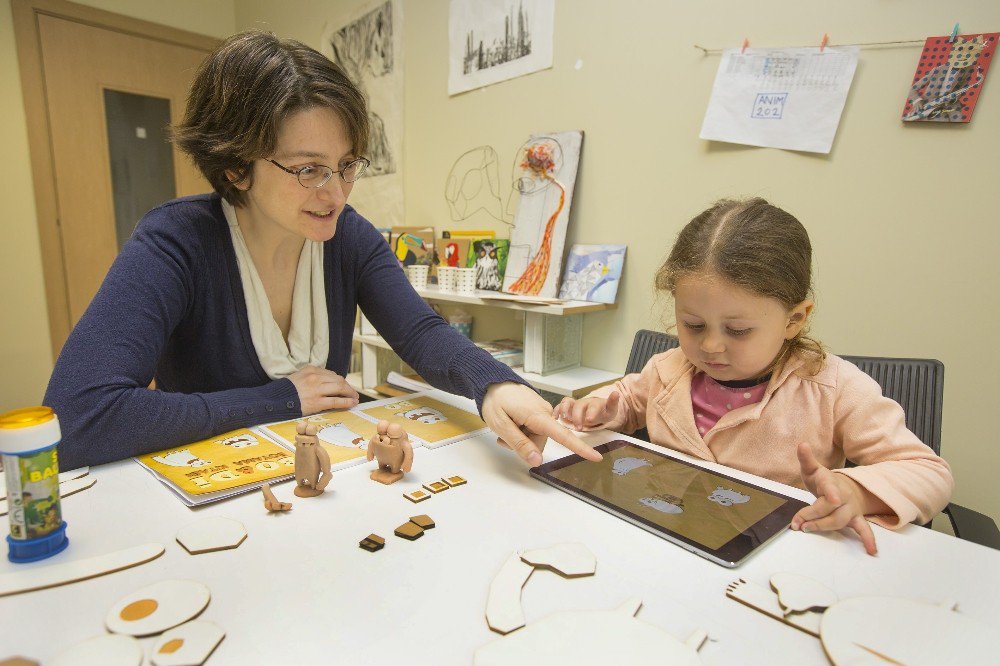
917, 384
645, 344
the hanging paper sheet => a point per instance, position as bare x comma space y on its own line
949, 78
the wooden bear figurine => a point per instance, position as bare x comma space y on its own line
392, 448
312, 462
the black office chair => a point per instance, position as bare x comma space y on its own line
916, 384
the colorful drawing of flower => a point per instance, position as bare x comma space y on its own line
540, 162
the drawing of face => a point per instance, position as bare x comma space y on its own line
425, 415
660, 505
239, 442
727, 497
623, 466
339, 434
182, 458
965, 52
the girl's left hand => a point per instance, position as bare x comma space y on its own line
840, 501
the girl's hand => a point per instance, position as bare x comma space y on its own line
589, 413
523, 423
840, 501
321, 390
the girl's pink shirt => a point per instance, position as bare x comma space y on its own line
840, 412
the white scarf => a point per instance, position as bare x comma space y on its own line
309, 333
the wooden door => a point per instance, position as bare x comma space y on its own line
87, 59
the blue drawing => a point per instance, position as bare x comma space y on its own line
769, 106
593, 273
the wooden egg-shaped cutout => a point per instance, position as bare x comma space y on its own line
904, 631
157, 607
211, 534
187, 645
798, 593
569, 559
104, 650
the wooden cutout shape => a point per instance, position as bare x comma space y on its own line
766, 601
423, 521
101, 651
66, 489
157, 607
904, 631
211, 534
436, 486
40, 578
312, 462
569, 559
271, 502
797, 593
453, 481
503, 606
392, 448
372, 543
591, 637
18, 661
410, 531
417, 496
187, 645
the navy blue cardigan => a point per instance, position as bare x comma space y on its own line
172, 308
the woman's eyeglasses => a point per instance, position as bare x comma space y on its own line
318, 175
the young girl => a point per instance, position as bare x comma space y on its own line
750, 390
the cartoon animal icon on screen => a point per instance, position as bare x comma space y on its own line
338, 434
625, 465
425, 415
181, 458
239, 441
487, 266
664, 503
727, 497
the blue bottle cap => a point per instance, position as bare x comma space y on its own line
31, 550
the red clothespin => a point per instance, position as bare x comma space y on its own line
746, 43
824, 42
954, 34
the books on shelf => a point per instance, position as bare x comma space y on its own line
507, 351
552, 343
243, 460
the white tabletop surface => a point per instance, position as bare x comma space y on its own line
300, 590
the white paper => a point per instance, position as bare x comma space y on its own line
370, 49
780, 98
496, 40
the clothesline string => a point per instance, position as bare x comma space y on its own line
904, 42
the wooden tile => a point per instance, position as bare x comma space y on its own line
424, 521
417, 496
410, 531
436, 486
372, 542
453, 481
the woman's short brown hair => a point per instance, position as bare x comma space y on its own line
242, 92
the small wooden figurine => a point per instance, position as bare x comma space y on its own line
272, 503
312, 462
391, 447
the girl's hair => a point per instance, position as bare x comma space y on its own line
245, 89
756, 246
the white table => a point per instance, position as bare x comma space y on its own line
300, 590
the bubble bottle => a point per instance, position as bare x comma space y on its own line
28, 439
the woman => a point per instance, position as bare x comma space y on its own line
241, 304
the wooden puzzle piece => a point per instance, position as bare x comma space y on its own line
453, 481
766, 602
423, 521
18, 661
372, 543
797, 593
271, 503
101, 651
157, 607
417, 496
187, 645
70, 572
591, 637
410, 531
569, 559
436, 486
211, 534
503, 606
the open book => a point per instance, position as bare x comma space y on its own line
242, 460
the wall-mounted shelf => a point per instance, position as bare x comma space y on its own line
497, 300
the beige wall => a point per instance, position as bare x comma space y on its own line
25, 348
901, 217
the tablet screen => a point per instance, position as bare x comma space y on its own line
722, 517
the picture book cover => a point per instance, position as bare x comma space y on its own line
231, 460
413, 245
343, 434
453, 252
593, 273
489, 257
433, 422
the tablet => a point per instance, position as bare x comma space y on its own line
710, 514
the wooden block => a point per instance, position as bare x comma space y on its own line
436, 486
423, 521
18, 661
417, 496
187, 645
211, 534
372, 542
410, 531
453, 481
